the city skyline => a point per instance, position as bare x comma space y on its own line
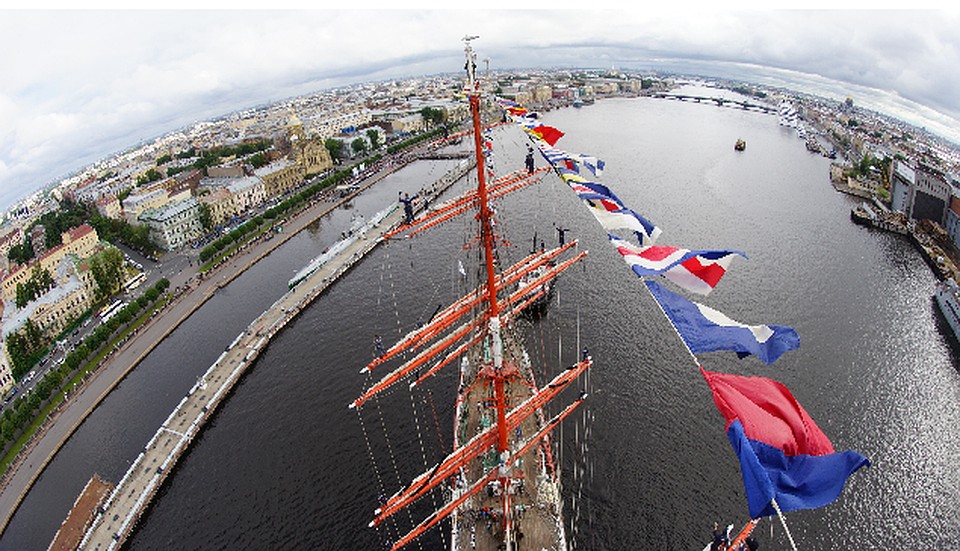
102, 81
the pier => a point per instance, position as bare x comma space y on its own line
117, 517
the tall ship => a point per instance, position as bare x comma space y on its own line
500, 483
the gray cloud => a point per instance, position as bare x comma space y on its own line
83, 84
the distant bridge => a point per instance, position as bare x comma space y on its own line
721, 102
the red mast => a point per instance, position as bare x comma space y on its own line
500, 366
486, 234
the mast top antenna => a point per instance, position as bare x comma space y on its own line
471, 65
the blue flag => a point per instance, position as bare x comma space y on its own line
706, 330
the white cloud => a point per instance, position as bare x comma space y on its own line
76, 84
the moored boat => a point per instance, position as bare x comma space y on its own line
947, 296
358, 230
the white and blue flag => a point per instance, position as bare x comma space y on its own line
706, 330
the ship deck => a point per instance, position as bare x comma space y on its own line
536, 503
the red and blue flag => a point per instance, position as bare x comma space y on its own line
784, 456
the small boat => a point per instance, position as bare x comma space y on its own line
539, 278
577, 102
740, 145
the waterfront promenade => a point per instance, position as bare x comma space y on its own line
117, 518
192, 290
135, 491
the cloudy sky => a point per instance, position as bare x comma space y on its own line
76, 86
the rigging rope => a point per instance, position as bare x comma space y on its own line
373, 461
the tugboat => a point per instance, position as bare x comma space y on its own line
740, 145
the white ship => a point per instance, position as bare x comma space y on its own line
948, 299
358, 230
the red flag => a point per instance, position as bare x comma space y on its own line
548, 134
785, 459
769, 413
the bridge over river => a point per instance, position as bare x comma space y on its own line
721, 102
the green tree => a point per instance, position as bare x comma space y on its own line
374, 138
24, 348
151, 175
99, 276
123, 316
113, 262
863, 167
23, 296
39, 283
45, 281
16, 349
164, 159
258, 160
22, 253
43, 389
359, 145
72, 361
33, 402
7, 429
32, 334
432, 116
335, 147
83, 351
206, 218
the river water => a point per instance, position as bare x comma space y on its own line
285, 465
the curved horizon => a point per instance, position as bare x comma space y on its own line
107, 81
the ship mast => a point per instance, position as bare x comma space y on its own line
496, 366
487, 237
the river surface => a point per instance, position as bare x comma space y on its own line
284, 464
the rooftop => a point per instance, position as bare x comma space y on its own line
275, 166
166, 212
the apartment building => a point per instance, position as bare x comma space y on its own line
80, 242
222, 204
280, 177
173, 225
